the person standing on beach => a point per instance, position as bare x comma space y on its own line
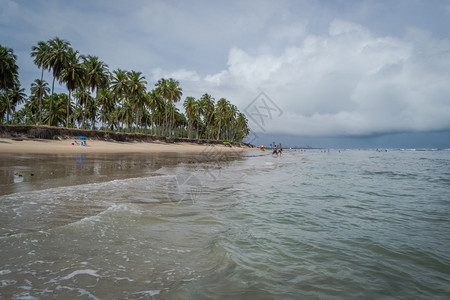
275, 151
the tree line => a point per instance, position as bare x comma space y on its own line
112, 101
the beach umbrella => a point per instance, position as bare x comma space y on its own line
81, 137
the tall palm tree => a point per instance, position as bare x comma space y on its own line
17, 95
39, 53
97, 77
190, 107
207, 108
230, 118
106, 101
241, 128
221, 110
9, 74
83, 97
58, 115
163, 91
175, 93
39, 88
119, 86
73, 75
56, 58
136, 84
156, 105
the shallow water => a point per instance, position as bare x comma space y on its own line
307, 225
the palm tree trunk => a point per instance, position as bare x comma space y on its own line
8, 106
165, 115
68, 108
40, 97
51, 102
218, 132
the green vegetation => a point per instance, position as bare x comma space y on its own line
118, 100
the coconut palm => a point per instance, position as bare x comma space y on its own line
221, 110
106, 101
157, 106
207, 108
241, 127
119, 86
17, 96
231, 114
58, 115
190, 109
73, 75
39, 53
136, 84
55, 58
97, 77
163, 91
9, 75
83, 96
32, 105
175, 93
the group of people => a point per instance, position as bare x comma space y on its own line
276, 151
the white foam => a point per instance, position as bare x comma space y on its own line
150, 293
4, 272
78, 272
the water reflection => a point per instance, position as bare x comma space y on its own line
21, 172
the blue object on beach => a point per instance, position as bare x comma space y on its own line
81, 137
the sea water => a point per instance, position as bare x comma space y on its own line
353, 224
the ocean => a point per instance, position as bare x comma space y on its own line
339, 224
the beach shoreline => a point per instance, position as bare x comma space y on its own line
26, 145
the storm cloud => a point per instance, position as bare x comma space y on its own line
337, 68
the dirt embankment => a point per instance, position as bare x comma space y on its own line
57, 133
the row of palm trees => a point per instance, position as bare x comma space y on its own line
118, 99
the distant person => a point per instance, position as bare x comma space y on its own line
275, 151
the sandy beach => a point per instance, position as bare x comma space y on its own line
96, 146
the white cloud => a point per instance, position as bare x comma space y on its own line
332, 69
347, 82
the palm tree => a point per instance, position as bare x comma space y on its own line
17, 95
207, 108
241, 128
39, 53
97, 76
175, 93
156, 105
73, 75
83, 97
58, 115
106, 101
162, 90
230, 118
33, 104
221, 110
9, 74
190, 107
119, 86
55, 58
136, 84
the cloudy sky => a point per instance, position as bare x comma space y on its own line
300, 68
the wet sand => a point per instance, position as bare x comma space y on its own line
36, 165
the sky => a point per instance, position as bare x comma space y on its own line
341, 73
